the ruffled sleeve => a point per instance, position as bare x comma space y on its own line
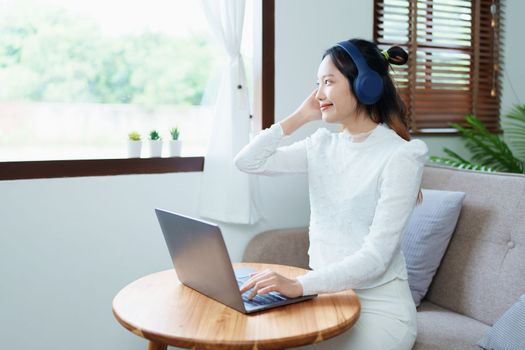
399, 185
263, 155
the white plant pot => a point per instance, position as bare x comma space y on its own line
175, 147
155, 148
134, 148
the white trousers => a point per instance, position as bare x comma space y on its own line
387, 321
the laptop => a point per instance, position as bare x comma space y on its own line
201, 260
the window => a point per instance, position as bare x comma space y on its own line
171, 95
76, 77
454, 59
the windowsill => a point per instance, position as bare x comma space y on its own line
98, 167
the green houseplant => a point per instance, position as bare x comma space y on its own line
134, 136
175, 143
174, 132
155, 144
134, 144
490, 152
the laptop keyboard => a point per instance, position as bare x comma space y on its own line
260, 299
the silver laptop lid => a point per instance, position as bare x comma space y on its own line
200, 257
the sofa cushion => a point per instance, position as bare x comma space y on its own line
427, 235
508, 333
481, 274
441, 329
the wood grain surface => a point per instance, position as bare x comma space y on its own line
159, 308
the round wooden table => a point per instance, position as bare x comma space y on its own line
159, 308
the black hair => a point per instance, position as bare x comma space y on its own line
390, 108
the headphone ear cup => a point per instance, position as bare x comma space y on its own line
368, 87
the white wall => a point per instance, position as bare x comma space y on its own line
67, 246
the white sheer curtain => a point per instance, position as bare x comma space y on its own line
229, 195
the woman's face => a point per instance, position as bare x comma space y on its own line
337, 103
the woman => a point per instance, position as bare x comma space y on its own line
363, 182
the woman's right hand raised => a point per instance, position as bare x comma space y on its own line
310, 109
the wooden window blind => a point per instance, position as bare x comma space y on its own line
455, 55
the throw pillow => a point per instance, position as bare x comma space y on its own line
508, 333
427, 235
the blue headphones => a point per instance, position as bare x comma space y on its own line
368, 85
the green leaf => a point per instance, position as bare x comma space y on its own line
514, 130
460, 164
489, 151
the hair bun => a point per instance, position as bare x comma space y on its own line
397, 55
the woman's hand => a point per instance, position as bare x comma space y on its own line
267, 281
308, 111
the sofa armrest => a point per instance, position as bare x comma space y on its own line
282, 246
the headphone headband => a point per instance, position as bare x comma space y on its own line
355, 54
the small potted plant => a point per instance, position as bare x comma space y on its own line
134, 144
155, 144
175, 143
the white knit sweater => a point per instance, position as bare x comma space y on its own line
361, 197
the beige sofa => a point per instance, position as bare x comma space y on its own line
482, 273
